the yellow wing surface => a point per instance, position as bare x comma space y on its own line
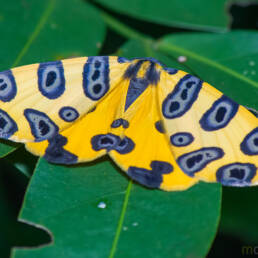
165, 128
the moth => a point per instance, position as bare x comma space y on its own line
164, 127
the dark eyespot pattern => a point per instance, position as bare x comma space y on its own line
42, 127
8, 88
150, 178
120, 122
112, 142
159, 126
68, 114
195, 161
51, 81
96, 77
55, 152
180, 100
7, 125
219, 115
236, 174
249, 145
181, 139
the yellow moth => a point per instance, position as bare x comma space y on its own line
165, 128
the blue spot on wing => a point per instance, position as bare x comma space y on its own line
68, 114
181, 139
195, 161
236, 174
249, 145
42, 127
180, 100
219, 115
51, 81
8, 88
96, 77
120, 122
55, 152
112, 142
150, 178
7, 125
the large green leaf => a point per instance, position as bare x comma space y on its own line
67, 201
228, 61
192, 14
37, 31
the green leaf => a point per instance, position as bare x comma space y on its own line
67, 201
192, 14
37, 31
227, 61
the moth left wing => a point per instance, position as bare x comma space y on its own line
41, 100
211, 137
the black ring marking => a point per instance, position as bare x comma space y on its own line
180, 100
150, 178
236, 174
120, 122
195, 161
7, 125
42, 127
219, 115
159, 126
249, 145
8, 88
51, 81
96, 77
68, 114
112, 142
55, 152
181, 139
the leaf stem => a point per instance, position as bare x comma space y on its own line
169, 47
40, 25
121, 220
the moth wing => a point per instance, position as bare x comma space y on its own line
38, 101
76, 143
211, 137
